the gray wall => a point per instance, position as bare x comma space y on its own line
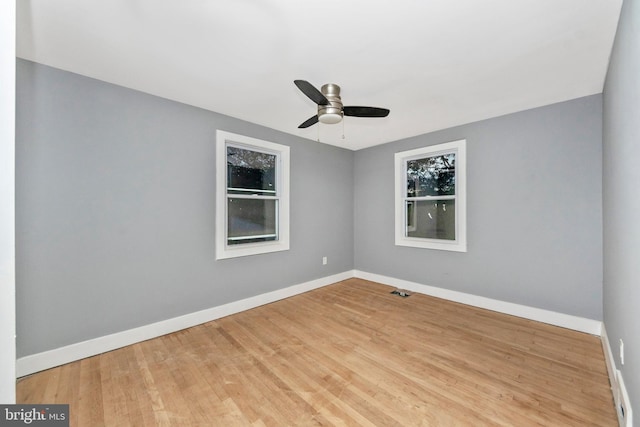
115, 211
534, 211
621, 189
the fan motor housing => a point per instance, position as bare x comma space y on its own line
332, 113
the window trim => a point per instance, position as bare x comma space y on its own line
223, 250
400, 164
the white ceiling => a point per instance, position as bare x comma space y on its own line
433, 63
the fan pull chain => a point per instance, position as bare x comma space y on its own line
318, 132
343, 128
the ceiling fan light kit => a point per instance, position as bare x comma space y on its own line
330, 108
330, 116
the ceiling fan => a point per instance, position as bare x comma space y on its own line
330, 108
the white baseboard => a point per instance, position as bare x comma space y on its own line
48, 359
38, 362
608, 358
581, 324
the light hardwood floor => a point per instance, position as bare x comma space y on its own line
347, 354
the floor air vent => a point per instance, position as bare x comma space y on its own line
400, 293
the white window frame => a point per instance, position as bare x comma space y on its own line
401, 158
223, 250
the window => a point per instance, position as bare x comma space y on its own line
252, 196
431, 197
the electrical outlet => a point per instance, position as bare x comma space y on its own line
324, 260
621, 352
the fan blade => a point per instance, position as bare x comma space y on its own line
314, 94
309, 122
365, 112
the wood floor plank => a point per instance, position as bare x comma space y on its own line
311, 384
348, 354
90, 402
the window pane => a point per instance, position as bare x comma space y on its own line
432, 176
251, 220
250, 172
431, 219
